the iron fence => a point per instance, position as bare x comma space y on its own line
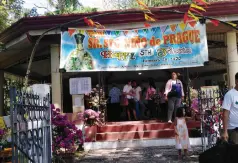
30, 127
210, 111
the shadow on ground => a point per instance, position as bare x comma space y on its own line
139, 155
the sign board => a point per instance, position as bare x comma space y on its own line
80, 85
160, 47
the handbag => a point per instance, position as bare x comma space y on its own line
222, 152
124, 101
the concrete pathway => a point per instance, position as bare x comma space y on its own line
139, 155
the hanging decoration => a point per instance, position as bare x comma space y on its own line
195, 10
147, 13
91, 23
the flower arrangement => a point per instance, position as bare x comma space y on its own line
96, 105
4, 133
90, 117
65, 135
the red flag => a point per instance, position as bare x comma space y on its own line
215, 22
71, 31
147, 25
193, 23
186, 18
89, 22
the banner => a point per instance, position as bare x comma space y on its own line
163, 47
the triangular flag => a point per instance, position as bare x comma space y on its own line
81, 31
163, 28
192, 23
154, 30
215, 22
173, 27
117, 33
136, 31
148, 18
186, 18
193, 16
145, 31
142, 4
196, 11
108, 32
125, 32
232, 24
182, 26
193, 5
71, 31
147, 25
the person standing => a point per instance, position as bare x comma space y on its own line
174, 94
230, 114
151, 91
162, 103
128, 92
114, 110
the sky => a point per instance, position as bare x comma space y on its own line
30, 4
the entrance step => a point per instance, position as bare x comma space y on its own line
137, 130
137, 143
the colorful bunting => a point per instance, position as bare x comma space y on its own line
215, 22
232, 24
173, 27
125, 32
91, 23
148, 18
143, 6
192, 23
71, 31
147, 25
193, 5
182, 26
194, 10
163, 28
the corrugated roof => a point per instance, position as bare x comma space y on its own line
224, 8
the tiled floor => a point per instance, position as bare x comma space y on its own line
141, 155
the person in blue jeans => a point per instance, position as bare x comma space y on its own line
174, 93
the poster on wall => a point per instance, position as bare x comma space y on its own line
161, 47
79, 86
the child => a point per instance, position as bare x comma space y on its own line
181, 133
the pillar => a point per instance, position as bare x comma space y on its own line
1, 92
232, 57
56, 80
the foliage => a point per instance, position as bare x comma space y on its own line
125, 4
68, 7
4, 134
10, 11
66, 138
8, 83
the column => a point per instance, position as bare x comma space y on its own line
56, 80
232, 57
1, 92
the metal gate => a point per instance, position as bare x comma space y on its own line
210, 103
31, 127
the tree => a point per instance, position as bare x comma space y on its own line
10, 11
126, 4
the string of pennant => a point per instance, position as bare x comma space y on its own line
194, 13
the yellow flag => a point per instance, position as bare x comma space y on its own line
193, 5
142, 4
193, 16
232, 24
2, 123
148, 18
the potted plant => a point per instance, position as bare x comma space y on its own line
65, 136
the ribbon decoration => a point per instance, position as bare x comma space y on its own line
149, 18
91, 23
232, 24
195, 9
